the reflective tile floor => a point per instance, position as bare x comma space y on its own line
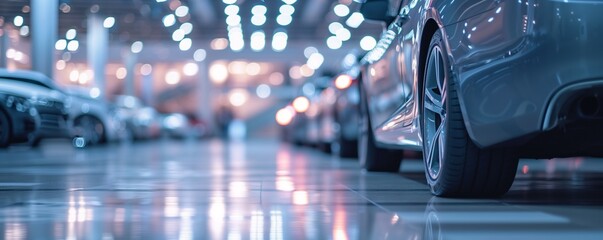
267, 190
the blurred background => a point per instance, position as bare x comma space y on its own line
199, 65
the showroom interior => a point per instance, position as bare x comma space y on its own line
301, 119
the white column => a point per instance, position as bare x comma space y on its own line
98, 46
44, 26
130, 63
205, 89
3, 47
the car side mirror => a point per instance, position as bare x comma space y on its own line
376, 10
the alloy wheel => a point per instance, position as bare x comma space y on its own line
434, 104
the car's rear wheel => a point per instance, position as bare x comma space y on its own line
90, 128
372, 157
4, 130
454, 165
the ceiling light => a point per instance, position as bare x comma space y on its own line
24, 31
219, 44
233, 20
185, 44
18, 21
61, 44
200, 55
121, 73
253, 69
231, 10
71, 34
315, 60
181, 11
343, 34
146, 69
187, 27
263, 91
290, 2
355, 20
229, 1
160, 0
279, 41
178, 35
218, 73
286, 9
276, 78
258, 20
284, 20
333, 42
285, 116
109, 22
301, 104
238, 97
136, 47
237, 44
259, 10
309, 51
258, 40
306, 71
341, 10
73, 45
190, 69
172, 77
334, 26
169, 20
367, 43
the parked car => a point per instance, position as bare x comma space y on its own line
93, 119
32, 93
477, 84
142, 122
182, 126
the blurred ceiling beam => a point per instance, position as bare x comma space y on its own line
204, 11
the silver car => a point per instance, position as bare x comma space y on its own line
477, 84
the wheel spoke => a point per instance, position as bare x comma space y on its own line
435, 107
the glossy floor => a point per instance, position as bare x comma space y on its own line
263, 189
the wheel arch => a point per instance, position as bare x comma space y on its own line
104, 136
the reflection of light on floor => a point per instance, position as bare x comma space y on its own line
257, 225
276, 225
216, 213
237, 190
119, 215
14, 231
284, 183
186, 224
395, 219
300, 198
236, 220
171, 208
339, 225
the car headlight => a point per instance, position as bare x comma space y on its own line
20, 104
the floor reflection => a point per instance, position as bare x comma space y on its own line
267, 190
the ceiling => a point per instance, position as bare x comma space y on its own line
142, 19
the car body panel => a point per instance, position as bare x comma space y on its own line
506, 62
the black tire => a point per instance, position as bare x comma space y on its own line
372, 157
90, 128
5, 130
454, 165
348, 148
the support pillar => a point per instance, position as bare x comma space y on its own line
130, 62
3, 47
205, 92
98, 47
44, 26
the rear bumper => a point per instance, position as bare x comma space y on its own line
514, 62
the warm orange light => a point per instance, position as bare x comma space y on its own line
285, 116
301, 104
343, 82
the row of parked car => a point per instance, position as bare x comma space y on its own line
33, 107
474, 90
